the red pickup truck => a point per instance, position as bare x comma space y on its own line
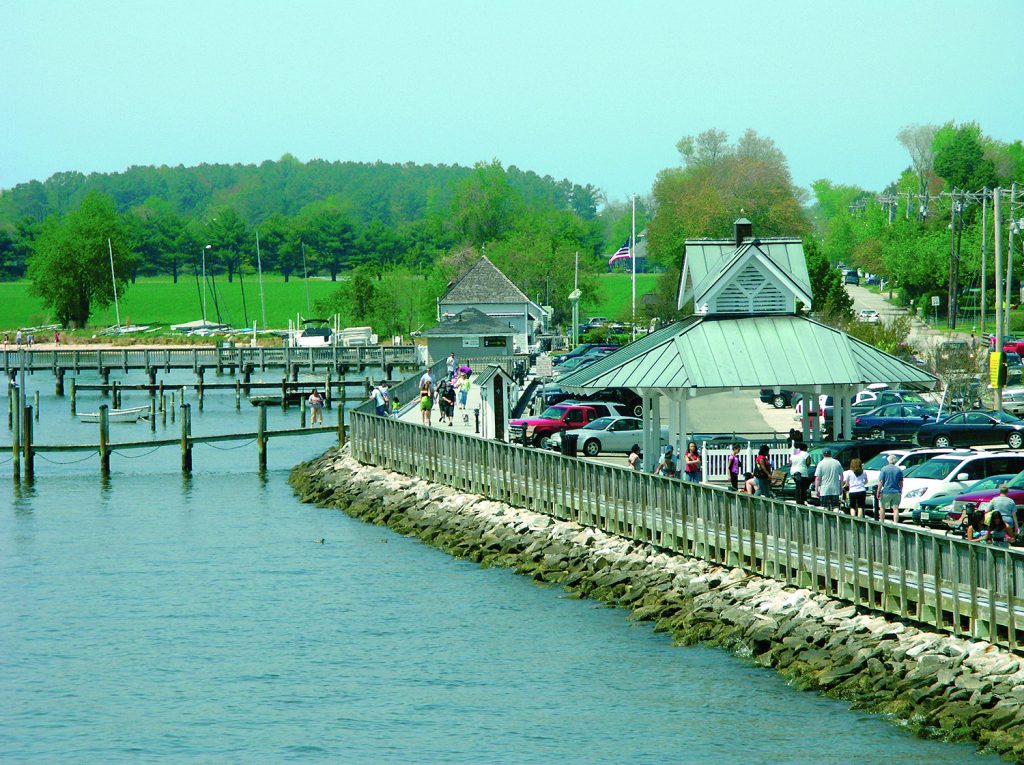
550, 421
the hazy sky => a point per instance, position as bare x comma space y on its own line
598, 92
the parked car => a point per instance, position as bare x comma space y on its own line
955, 472
606, 434
937, 510
582, 350
873, 280
844, 451
906, 460
851, 277
868, 315
894, 420
973, 428
626, 396
779, 400
1013, 400
551, 420
602, 408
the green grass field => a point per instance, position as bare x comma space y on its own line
160, 301
615, 296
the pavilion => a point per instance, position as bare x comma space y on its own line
745, 334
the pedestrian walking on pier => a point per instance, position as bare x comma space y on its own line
442, 408
379, 401
447, 403
450, 364
316, 406
855, 482
692, 464
426, 404
18, 338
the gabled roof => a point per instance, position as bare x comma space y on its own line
489, 372
470, 321
483, 283
746, 352
709, 263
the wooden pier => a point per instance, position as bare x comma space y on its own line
949, 584
241, 360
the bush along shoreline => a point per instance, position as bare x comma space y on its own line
937, 685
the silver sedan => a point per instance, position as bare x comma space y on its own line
607, 434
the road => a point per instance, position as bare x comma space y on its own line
922, 337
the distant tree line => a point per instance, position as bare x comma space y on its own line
315, 218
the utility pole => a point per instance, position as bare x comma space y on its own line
1009, 262
951, 293
997, 222
984, 253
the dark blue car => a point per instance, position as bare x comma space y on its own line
894, 420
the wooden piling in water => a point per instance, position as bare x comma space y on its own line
28, 455
104, 440
10, 407
59, 380
74, 398
152, 415
105, 379
35, 403
174, 404
302, 412
16, 435
186, 433
261, 438
163, 409
327, 391
284, 394
341, 421
238, 395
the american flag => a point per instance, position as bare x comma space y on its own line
622, 252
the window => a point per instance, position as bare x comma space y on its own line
975, 470
956, 419
575, 415
627, 424
977, 418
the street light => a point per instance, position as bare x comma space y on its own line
207, 247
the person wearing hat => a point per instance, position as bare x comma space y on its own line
667, 463
1005, 506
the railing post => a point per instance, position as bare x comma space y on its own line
261, 436
104, 439
186, 433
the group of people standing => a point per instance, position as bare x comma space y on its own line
453, 389
26, 338
997, 527
669, 465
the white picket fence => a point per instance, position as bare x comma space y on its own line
715, 460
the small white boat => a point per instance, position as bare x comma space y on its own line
134, 414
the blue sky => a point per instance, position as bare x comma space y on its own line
597, 92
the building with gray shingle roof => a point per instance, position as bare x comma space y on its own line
485, 288
470, 334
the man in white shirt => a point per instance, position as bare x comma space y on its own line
427, 381
798, 470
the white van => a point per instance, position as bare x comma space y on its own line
955, 472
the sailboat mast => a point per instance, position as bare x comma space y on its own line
259, 269
305, 277
113, 278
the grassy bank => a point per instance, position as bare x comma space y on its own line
159, 301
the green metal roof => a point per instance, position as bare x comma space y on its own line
746, 352
710, 261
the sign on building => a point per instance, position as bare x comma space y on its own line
544, 366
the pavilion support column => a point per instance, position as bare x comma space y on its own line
675, 433
848, 401
684, 423
648, 447
805, 417
654, 429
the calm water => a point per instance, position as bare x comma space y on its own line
155, 617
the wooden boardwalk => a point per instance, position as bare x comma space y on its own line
197, 359
950, 584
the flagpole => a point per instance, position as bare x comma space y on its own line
632, 260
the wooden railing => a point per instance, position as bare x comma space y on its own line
71, 359
952, 585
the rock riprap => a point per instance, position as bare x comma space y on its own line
940, 686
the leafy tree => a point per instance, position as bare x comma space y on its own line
717, 184
919, 142
831, 300
328, 232
229, 239
960, 158
70, 265
485, 205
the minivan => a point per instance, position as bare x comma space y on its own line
955, 472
